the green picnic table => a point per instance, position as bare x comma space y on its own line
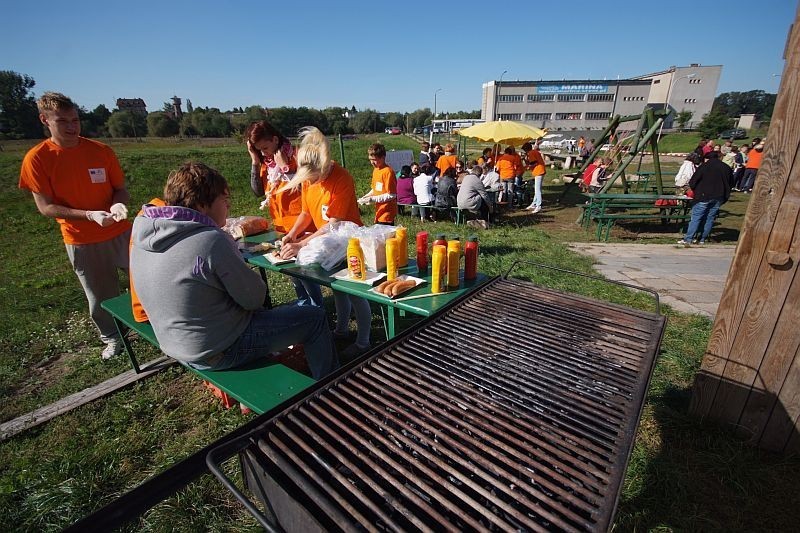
633, 206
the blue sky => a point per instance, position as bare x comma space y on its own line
390, 56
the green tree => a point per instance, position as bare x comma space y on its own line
683, 118
208, 122
395, 119
189, 106
161, 124
734, 104
19, 117
420, 118
367, 121
127, 124
713, 124
337, 122
93, 123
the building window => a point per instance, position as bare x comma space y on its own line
656, 81
509, 116
537, 116
633, 98
690, 100
571, 97
695, 81
598, 116
605, 97
510, 97
568, 116
541, 97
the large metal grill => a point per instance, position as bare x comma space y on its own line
515, 409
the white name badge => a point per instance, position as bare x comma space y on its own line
324, 212
98, 175
379, 186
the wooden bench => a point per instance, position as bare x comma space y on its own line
606, 220
260, 385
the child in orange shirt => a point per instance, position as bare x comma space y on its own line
448, 160
384, 187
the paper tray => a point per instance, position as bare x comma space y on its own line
404, 277
372, 277
275, 260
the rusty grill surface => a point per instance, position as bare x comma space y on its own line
515, 410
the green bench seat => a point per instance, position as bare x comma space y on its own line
606, 220
260, 385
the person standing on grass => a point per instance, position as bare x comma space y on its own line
751, 167
711, 184
205, 304
384, 186
329, 196
79, 182
538, 169
423, 191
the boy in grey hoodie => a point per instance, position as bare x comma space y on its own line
204, 302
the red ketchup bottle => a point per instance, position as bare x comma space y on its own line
471, 258
422, 252
440, 239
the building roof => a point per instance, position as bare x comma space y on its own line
519, 83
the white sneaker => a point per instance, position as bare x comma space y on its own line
531, 207
112, 349
536, 209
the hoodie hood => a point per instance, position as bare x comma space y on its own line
159, 228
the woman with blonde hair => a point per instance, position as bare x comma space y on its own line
328, 196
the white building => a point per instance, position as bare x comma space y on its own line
588, 104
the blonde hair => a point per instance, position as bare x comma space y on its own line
313, 157
52, 101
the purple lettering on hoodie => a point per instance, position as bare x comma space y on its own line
199, 263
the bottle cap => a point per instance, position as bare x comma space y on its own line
472, 238
440, 236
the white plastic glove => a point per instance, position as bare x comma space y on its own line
364, 200
264, 204
119, 211
102, 218
382, 198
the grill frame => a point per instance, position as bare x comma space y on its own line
291, 492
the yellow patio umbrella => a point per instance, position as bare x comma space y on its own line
503, 131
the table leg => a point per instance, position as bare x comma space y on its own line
392, 321
127, 344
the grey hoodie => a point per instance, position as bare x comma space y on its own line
192, 281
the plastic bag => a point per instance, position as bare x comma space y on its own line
373, 244
330, 248
243, 226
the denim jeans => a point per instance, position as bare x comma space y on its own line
272, 330
749, 179
703, 215
537, 190
308, 293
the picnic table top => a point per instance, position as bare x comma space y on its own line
636, 196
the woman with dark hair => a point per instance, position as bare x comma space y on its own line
405, 188
204, 303
686, 171
273, 164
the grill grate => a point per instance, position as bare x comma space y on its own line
514, 410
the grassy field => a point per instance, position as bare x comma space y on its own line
683, 475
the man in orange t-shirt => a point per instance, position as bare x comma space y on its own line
448, 160
384, 187
507, 168
538, 169
80, 183
752, 166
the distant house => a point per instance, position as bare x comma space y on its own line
135, 105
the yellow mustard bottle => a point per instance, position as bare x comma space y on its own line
439, 268
355, 260
453, 262
401, 234
392, 253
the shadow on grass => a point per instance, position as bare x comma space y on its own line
704, 476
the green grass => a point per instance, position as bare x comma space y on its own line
683, 475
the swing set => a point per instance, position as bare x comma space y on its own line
624, 149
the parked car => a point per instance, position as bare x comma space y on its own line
419, 131
735, 133
395, 131
437, 129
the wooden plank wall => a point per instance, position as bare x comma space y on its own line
750, 375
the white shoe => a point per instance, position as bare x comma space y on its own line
531, 207
112, 349
536, 209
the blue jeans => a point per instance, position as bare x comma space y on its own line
272, 330
703, 214
749, 179
308, 293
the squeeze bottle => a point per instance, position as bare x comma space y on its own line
355, 260
471, 258
392, 251
422, 252
401, 234
439, 273
453, 262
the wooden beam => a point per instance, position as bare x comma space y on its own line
48, 412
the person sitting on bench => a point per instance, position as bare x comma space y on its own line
204, 303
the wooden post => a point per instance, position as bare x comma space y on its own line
750, 375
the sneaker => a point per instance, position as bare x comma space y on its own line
536, 209
684, 243
483, 224
112, 349
531, 207
701, 243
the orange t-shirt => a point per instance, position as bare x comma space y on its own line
139, 314
385, 182
284, 205
518, 167
445, 162
754, 159
536, 162
506, 167
83, 177
335, 196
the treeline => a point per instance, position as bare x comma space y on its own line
19, 118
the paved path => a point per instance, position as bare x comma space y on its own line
689, 280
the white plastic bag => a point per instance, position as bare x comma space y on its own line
329, 249
373, 244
